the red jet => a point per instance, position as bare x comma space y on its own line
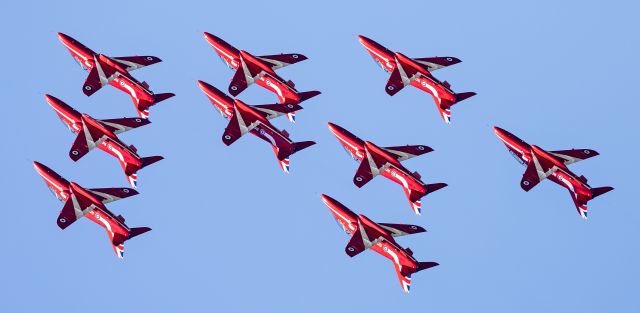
245, 118
543, 164
115, 71
102, 134
261, 70
79, 202
416, 72
386, 161
379, 237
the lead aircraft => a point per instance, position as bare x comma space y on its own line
115, 71
102, 134
543, 164
251, 69
379, 237
375, 161
245, 118
80, 201
406, 71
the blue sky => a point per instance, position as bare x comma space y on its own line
232, 233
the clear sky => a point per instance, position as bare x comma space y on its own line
232, 233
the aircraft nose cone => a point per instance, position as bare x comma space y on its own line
211, 38
335, 129
202, 84
364, 40
38, 166
64, 38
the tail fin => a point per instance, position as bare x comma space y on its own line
283, 155
150, 160
303, 96
600, 191
143, 106
119, 239
133, 177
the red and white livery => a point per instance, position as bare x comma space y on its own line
251, 69
79, 202
105, 70
102, 134
416, 72
375, 161
543, 164
379, 237
245, 118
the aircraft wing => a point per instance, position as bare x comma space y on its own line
536, 172
240, 123
397, 230
107, 195
119, 125
408, 152
395, 82
270, 111
67, 215
370, 167
100, 75
574, 155
281, 60
136, 62
88, 138
436, 63
75, 208
245, 75
356, 244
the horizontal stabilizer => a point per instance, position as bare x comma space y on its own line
302, 145
138, 231
150, 160
435, 187
162, 96
306, 95
600, 191
426, 265
464, 95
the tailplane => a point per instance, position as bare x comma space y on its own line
144, 105
150, 160
600, 191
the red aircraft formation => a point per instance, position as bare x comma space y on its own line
91, 133
255, 119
